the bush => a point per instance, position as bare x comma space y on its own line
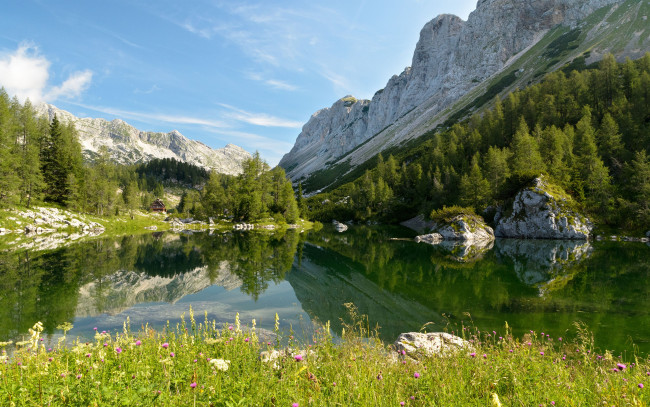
447, 213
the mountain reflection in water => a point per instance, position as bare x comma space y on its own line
401, 285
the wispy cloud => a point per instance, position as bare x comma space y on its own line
259, 119
273, 83
149, 91
157, 117
25, 73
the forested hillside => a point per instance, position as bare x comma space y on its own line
256, 194
41, 161
588, 130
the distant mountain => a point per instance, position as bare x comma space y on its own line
458, 67
128, 145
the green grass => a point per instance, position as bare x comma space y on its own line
178, 366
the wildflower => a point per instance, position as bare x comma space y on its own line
298, 358
193, 385
138, 343
334, 384
510, 351
412, 397
552, 403
541, 353
78, 376
118, 350
62, 374
105, 344
220, 364
230, 328
620, 366
379, 376
473, 354
640, 385
95, 328
295, 405
484, 356
559, 339
416, 375
172, 354
165, 345
401, 403
246, 340
88, 355
194, 360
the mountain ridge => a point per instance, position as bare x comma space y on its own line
455, 63
129, 145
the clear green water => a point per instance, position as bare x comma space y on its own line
543, 286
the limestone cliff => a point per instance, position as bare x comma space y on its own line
455, 61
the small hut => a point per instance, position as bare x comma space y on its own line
158, 206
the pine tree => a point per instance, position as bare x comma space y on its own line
526, 158
474, 189
9, 181
29, 171
496, 168
640, 185
591, 168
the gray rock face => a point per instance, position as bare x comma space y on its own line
429, 344
451, 58
543, 211
467, 228
128, 145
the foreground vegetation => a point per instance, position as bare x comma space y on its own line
198, 363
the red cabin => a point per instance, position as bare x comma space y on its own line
158, 206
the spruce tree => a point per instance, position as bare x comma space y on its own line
526, 158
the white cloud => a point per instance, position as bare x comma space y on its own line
25, 74
72, 87
260, 119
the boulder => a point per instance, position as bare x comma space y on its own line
340, 227
466, 227
543, 211
429, 344
431, 238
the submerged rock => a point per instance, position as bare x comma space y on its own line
429, 344
543, 211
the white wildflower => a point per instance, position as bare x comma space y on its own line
220, 364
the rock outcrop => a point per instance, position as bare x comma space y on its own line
451, 59
543, 211
428, 344
465, 227
128, 145
431, 238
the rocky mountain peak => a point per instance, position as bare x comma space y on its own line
128, 145
452, 57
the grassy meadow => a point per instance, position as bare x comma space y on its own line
200, 363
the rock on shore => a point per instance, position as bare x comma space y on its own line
543, 211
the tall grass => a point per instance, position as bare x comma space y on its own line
200, 363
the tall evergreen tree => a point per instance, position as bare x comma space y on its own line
526, 158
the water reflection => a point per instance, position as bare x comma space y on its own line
399, 284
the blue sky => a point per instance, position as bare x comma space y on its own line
249, 73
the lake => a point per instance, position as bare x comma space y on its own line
545, 286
